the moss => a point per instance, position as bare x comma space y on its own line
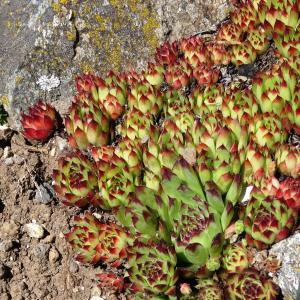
18, 79
8, 24
71, 35
101, 22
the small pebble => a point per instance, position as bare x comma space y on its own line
9, 161
18, 159
42, 194
34, 230
41, 250
5, 246
53, 255
49, 239
97, 298
73, 267
61, 143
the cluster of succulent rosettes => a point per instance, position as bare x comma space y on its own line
210, 289
40, 122
112, 281
249, 284
267, 221
95, 242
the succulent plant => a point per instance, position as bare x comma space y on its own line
144, 97
266, 130
206, 74
258, 164
230, 33
137, 126
75, 181
207, 101
194, 51
245, 16
278, 15
178, 75
210, 289
235, 258
288, 160
87, 125
288, 44
152, 267
86, 86
240, 105
117, 178
243, 54
291, 112
167, 53
258, 39
94, 241
195, 224
249, 285
154, 74
3, 115
274, 89
219, 55
40, 122
267, 221
289, 190
110, 280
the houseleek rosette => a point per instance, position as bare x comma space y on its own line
152, 268
75, 181
95, 242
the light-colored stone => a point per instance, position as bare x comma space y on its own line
34, 230
6, 245
41, 250
53, 256
9, 229
43, 194
288, 276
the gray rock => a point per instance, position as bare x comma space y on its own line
288, 276
73, 267
44, 193
41, 250
9, 161
50, 41
6, 245
34, 230
53, 256
18, 159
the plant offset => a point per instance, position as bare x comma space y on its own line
170, 152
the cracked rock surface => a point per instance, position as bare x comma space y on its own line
45, 43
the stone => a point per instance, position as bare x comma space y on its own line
44, 193
61, 143
18, 159
288, 276
6, 245
34, 230
53, 256
73, 267
6, 152
41, 250
9, 161
52, 40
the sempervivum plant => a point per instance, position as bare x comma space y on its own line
75, 180
210, 289
243, 54
94, 241
235, 258
249, 285
178, 75
245, 16
219, 55
267, 221
258, 40
144, 97
40, 122
137, 125
275, 88
289, 190
239, 105
154, 74
194, 51
206, 74
230, 33
277, 15
87, 125
267, 130
167, 53
288, 160
152, 268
